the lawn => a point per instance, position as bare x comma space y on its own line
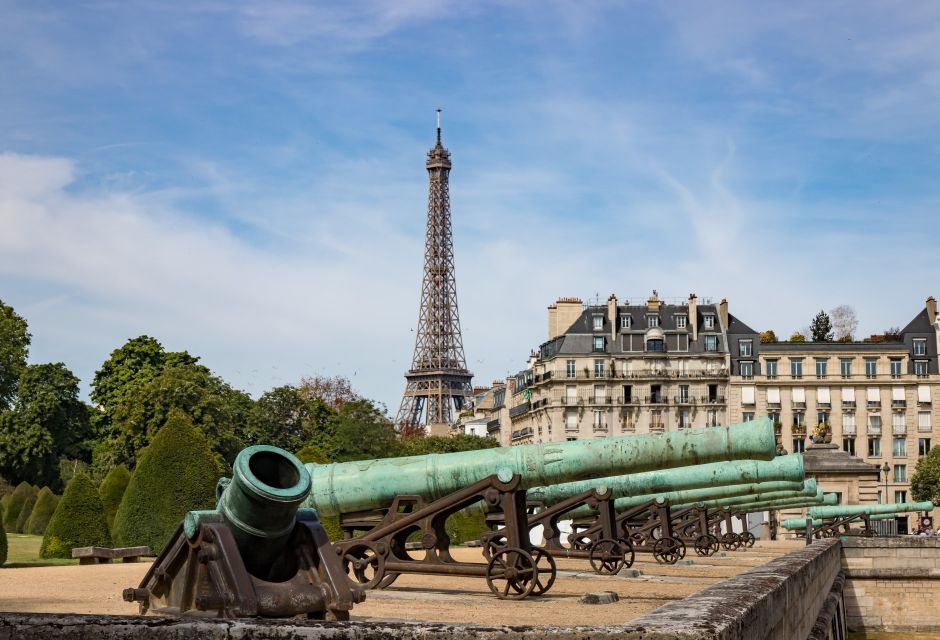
24, 552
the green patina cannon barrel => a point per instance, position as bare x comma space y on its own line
809, 489
259, 504
716, 475
373, 484
795, 524
775, 505
859, 509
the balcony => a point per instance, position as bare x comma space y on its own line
602, 428
848, 404
898, 429
657, 427
848, 429
824, 405
712, 399
683, 400
923, 428
798, 429
655, 400
873, 404
898, 404
604, 399
522, 433
874, 430
627, 400
799, 405
519, 409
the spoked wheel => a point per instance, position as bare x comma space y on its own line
387, 580
580, 543
668, 550
706, 545
364, 565
512, 574
547, 571
629, 555
748, 539
730, 541
493, 543
608, 556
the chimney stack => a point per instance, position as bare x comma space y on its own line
612, 316
693, 316
723, 313
932, 309
561, 315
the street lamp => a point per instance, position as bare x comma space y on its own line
886, 470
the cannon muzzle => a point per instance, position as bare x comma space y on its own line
373, 484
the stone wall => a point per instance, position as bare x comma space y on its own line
892, 584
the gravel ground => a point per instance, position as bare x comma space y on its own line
97, 589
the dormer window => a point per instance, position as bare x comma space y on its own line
680, 322
598, 322
656, 344
626, 322
708, 322
652, 320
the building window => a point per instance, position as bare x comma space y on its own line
656, 345
923, 421
708, 322
745, 347
848, 423
598, 343
821, 367
920, 346
845, 367
569, 369
747, 416
683, 393
626, 322
897, 423
747, 370
599, 418
774, 417
799, 445
656, 419
874, 447
923, 446
874, 423
627, 393
822, 416
711, 418
680, 322
598, 322
848, 445
571, 420
871, 367
684, 420
652, 321
600, 394
771, 366
920, 368
598, 368
711, 343
900, 496
900, 448
796, 368
799, 419
895, 368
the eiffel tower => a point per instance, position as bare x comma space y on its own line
438, 384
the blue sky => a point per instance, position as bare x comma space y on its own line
246, 180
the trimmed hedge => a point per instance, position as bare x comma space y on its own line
25, 512
17, 499
3, 546
176, 473
112, 490
46, 503
78, 521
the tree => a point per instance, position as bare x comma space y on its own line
360, 431
217, 410
925, 483
112, 490
48, 422
177, 473
46, 503
821, 327
78, 521
25, 513
3, 546
445, 444
796, 336
844, 322
768, 336
23, 492
14, 348
286, 418
334, 391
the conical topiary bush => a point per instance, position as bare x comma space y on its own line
112, 490
3, 546
25, 512
17, 499
176, 473
78, 521
46, 502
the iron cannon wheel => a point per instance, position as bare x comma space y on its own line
364, 565
630, 555
706, 545
748, 539
668, 550
608, 556
512, 574
493, 543
730, 541
546, 566
580, 542
387, 580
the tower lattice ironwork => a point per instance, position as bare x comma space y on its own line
438, 384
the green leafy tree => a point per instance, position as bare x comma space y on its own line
23, 492
283, 417
14, 347
78, 521
422, 445
25, 513
821, 327
177, 473
217, 410
46, 503
312, 453
796, 336
48, 422
768, 336
925, 483
112, 490
360, 431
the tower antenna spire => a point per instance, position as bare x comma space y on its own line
438, 126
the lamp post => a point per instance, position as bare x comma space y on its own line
886, 470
